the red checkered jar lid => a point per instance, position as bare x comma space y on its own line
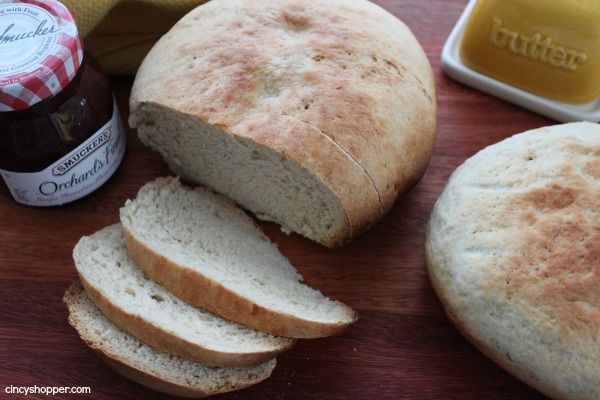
40, 51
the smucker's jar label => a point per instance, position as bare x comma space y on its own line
77, 174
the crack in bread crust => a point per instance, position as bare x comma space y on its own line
349, 154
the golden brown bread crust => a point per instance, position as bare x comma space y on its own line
146, 373
163, 385
203, 292
341, 87
513, 252
154, 336
146, 379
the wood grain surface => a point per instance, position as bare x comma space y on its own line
403, 346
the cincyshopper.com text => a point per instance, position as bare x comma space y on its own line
47, 390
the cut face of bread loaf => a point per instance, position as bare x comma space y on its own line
151, 367
314, 114
513, 252
154, 315
202, 247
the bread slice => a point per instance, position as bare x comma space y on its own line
315, 114
202, 247
148, 311
513, 252
149, 366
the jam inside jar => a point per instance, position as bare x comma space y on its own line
61, 136
34, 138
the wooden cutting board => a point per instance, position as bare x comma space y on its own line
403, 346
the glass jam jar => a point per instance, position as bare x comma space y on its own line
61, 136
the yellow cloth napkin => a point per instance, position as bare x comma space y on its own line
119, 33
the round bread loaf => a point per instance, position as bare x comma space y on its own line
513, 252
315, 114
